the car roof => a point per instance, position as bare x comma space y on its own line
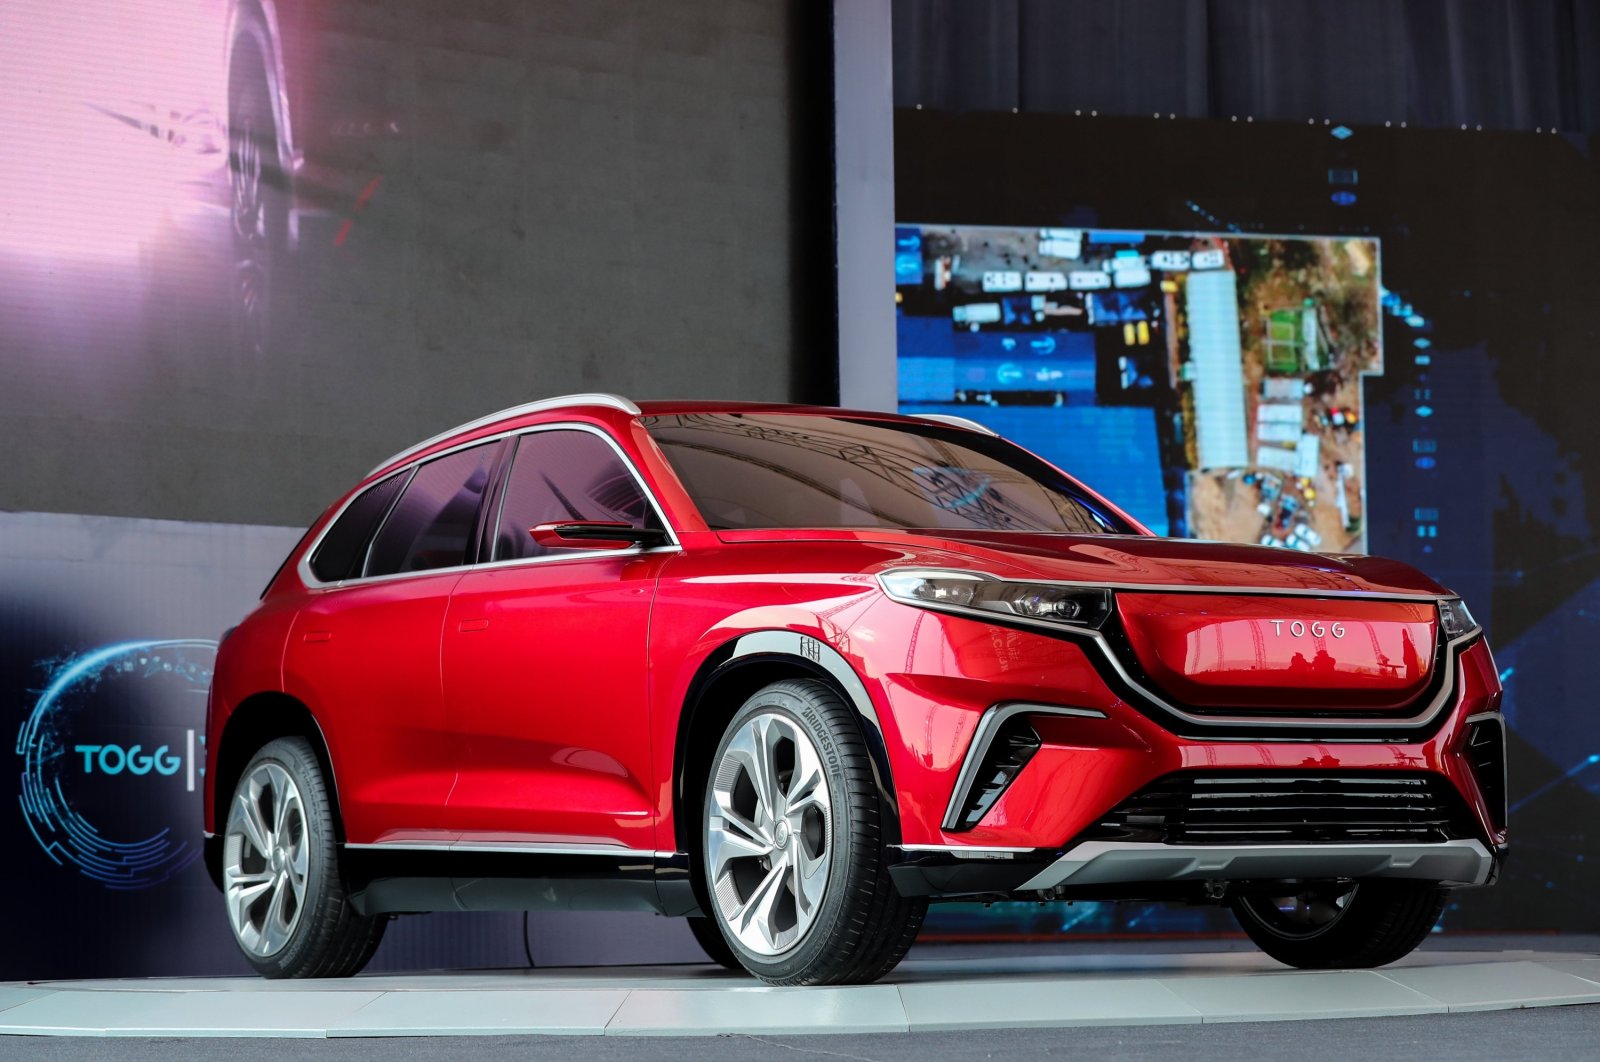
670, 407
658, 407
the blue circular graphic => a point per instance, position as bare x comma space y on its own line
48, 753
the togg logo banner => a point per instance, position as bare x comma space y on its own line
109, 760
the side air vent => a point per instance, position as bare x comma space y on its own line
1013, 746
1486, 755
1300, 808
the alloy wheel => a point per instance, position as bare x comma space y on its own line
265, 859
769, 834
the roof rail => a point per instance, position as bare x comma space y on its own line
597, 398
959, 422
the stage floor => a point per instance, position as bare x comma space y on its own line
937, 989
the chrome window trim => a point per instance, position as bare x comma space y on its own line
598, 398
1441, 700
408, 473
983, 736
303, 565
957, 422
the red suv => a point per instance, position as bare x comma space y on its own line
795, 672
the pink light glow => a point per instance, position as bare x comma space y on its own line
109, 107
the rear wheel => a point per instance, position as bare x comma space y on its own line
793, 854
280, 875
1345, 924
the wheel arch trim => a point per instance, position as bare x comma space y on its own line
795, 649
254, 707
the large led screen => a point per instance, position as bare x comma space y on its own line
1318, 337
1215, 381
248, 247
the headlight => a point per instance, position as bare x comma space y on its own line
1042, 603
1454, 617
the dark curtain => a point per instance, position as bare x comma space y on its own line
1502, 64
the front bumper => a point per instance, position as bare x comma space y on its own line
1135, 870
937, 678
1463, 862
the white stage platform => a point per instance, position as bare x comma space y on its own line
1105, 987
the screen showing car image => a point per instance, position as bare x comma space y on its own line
1212, 383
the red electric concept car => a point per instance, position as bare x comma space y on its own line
795, 672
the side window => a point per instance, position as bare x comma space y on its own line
432, 522
342, 549
565, 475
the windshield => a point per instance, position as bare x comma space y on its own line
760, 470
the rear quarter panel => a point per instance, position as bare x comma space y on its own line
249, 661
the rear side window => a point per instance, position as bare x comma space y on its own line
565, 475
433, 521
343, 548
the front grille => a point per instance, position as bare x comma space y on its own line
1301, 808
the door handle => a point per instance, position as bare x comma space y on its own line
318, 636
469, 625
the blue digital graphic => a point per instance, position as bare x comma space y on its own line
58, 756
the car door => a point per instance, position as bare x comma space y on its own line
364, 649
544, 659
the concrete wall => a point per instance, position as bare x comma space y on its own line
574, 195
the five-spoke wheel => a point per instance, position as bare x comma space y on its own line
768, 833
286, 899
265, 860
792, 843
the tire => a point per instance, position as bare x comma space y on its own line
802, 897
258, 204
712, 942
1342, 925
285, 899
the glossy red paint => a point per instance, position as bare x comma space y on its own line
546, 685
1282, 652
542, 702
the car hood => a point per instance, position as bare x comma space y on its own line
1130, 561
1215, 626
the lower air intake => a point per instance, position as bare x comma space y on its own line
1004, 759
1216, 808
1486, 752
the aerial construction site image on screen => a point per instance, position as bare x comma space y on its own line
1210, 384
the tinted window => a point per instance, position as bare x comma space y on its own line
565, 475
342, 549
433, 520
782, 470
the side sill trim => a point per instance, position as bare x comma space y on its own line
1124, 862
983, 736
599, 850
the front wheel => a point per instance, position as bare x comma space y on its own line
1350, 925
792, 844
280, 876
